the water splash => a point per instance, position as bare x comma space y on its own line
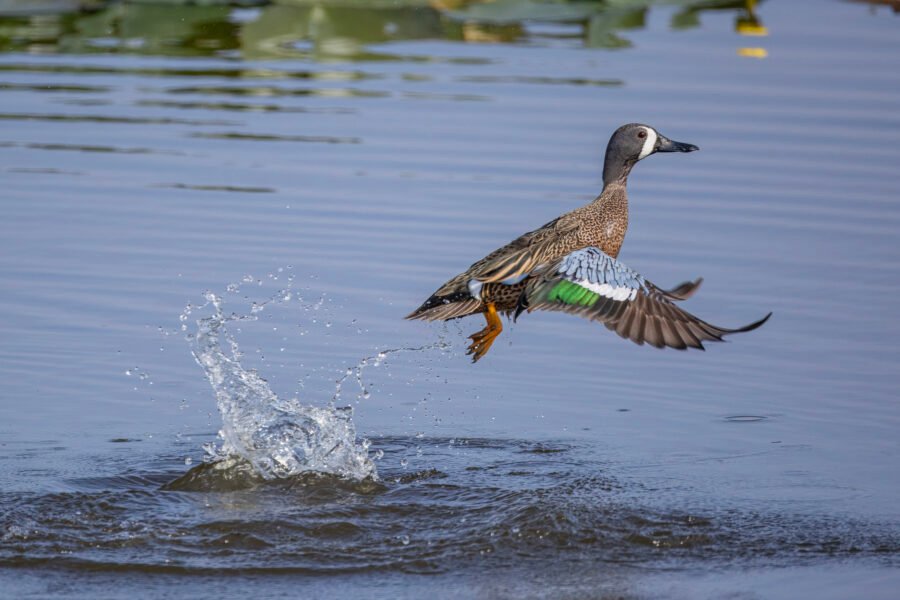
262, 434
377, 360
278, 437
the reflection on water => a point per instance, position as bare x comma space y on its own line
332, 30
110, 119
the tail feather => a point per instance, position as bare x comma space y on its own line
443, 308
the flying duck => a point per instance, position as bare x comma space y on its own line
570, 265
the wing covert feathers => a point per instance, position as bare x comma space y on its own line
517, 258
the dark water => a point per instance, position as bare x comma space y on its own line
359, 154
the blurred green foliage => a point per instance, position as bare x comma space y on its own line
322, 29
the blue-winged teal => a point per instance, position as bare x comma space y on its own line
570, 265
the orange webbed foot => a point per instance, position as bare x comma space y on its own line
482, 340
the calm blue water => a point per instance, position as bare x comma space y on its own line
361, 155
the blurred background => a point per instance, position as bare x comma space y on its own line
358, 153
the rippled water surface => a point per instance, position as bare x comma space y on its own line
215, 217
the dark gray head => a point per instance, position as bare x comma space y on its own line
631, 143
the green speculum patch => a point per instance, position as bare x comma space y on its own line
572, 293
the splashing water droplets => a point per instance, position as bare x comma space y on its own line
279, 437
376, 361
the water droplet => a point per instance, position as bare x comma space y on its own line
404, 462
404, 539
188, 460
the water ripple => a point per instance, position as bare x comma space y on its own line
223, 73
266, 137
244, 107
110, 119
274, 91
427, 521
218, 188
53, 88
87, 148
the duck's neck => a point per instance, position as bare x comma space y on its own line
615, 168
612, 206
613, 202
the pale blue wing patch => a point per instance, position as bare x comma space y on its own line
589, 274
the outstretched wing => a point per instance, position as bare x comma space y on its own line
591, 284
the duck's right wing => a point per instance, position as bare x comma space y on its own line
591, 284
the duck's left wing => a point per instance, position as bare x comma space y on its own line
591, 284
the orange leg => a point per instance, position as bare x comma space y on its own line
482, 340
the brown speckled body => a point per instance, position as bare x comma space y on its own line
602, 224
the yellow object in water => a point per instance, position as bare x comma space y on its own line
753, 52
751, 27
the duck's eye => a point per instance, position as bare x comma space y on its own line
642, 134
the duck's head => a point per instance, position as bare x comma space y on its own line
633, 142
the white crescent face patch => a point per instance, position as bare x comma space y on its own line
649, 143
